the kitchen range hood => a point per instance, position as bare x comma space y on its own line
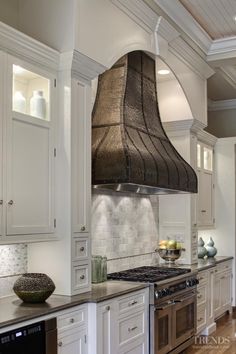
130, 149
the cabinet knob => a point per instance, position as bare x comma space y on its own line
203, 211
81, 249
82, 277
10, 202
1, 202
108, 308
60, 344
83, 228
72, 320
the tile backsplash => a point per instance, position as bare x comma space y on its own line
13, 262
125, 229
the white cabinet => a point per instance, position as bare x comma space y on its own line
73, 343
106, 328
122, 325
72, 331
214, 293
28, 152
205, 171
81, 156
222, 289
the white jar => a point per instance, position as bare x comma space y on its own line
38, 105
19, 102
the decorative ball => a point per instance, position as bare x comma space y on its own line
211, 250
34, 287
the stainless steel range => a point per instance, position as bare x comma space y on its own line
172, 305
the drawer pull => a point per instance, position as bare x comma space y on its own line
199, 296
201, 278
83, 228
203, 211
200, 319
60, 344
130, 329
1, 202
81, 249
72, 320
107, 308
82, 277
133, 302
223, 277
10, 202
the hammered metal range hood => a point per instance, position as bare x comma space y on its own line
130, 149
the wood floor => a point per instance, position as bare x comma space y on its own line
222, 341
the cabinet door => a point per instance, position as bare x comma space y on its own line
206, 198
135, 348
205, 185
105, 332
217, 295
81, 155
74, 343
30, 153
226, 293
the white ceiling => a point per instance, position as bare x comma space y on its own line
216, 17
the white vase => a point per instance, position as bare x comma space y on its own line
38, 105
19, 102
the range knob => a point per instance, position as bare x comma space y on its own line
191, 282
158, 294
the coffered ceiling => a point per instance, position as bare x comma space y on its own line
216, 17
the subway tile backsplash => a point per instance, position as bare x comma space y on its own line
13, 261
125, 229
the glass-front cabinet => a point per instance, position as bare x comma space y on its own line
30, 93
29, 151
205, 171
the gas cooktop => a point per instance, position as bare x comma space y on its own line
148, 274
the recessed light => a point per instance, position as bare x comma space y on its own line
163, 72
234, 18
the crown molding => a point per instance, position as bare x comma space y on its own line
224, 48
177, 12
185, 125
140, 12
186, 54
229, 74
166, 30
82, 67
19, 44
221, 105
206, 137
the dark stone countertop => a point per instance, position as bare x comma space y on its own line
209, 262
13, 310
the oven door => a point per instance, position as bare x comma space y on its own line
184, 318
160, 328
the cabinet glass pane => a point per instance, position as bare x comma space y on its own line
31, 93
207, 158
199, 155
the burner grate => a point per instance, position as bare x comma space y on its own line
148, 274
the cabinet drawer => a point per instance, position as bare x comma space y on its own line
72, 319
201, 294
80, 249
131, 327
224, 266
202, 277
80, 276
131, 303
201, 317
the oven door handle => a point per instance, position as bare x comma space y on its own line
185, 298
165, 306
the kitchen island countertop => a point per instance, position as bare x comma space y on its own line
13, 310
